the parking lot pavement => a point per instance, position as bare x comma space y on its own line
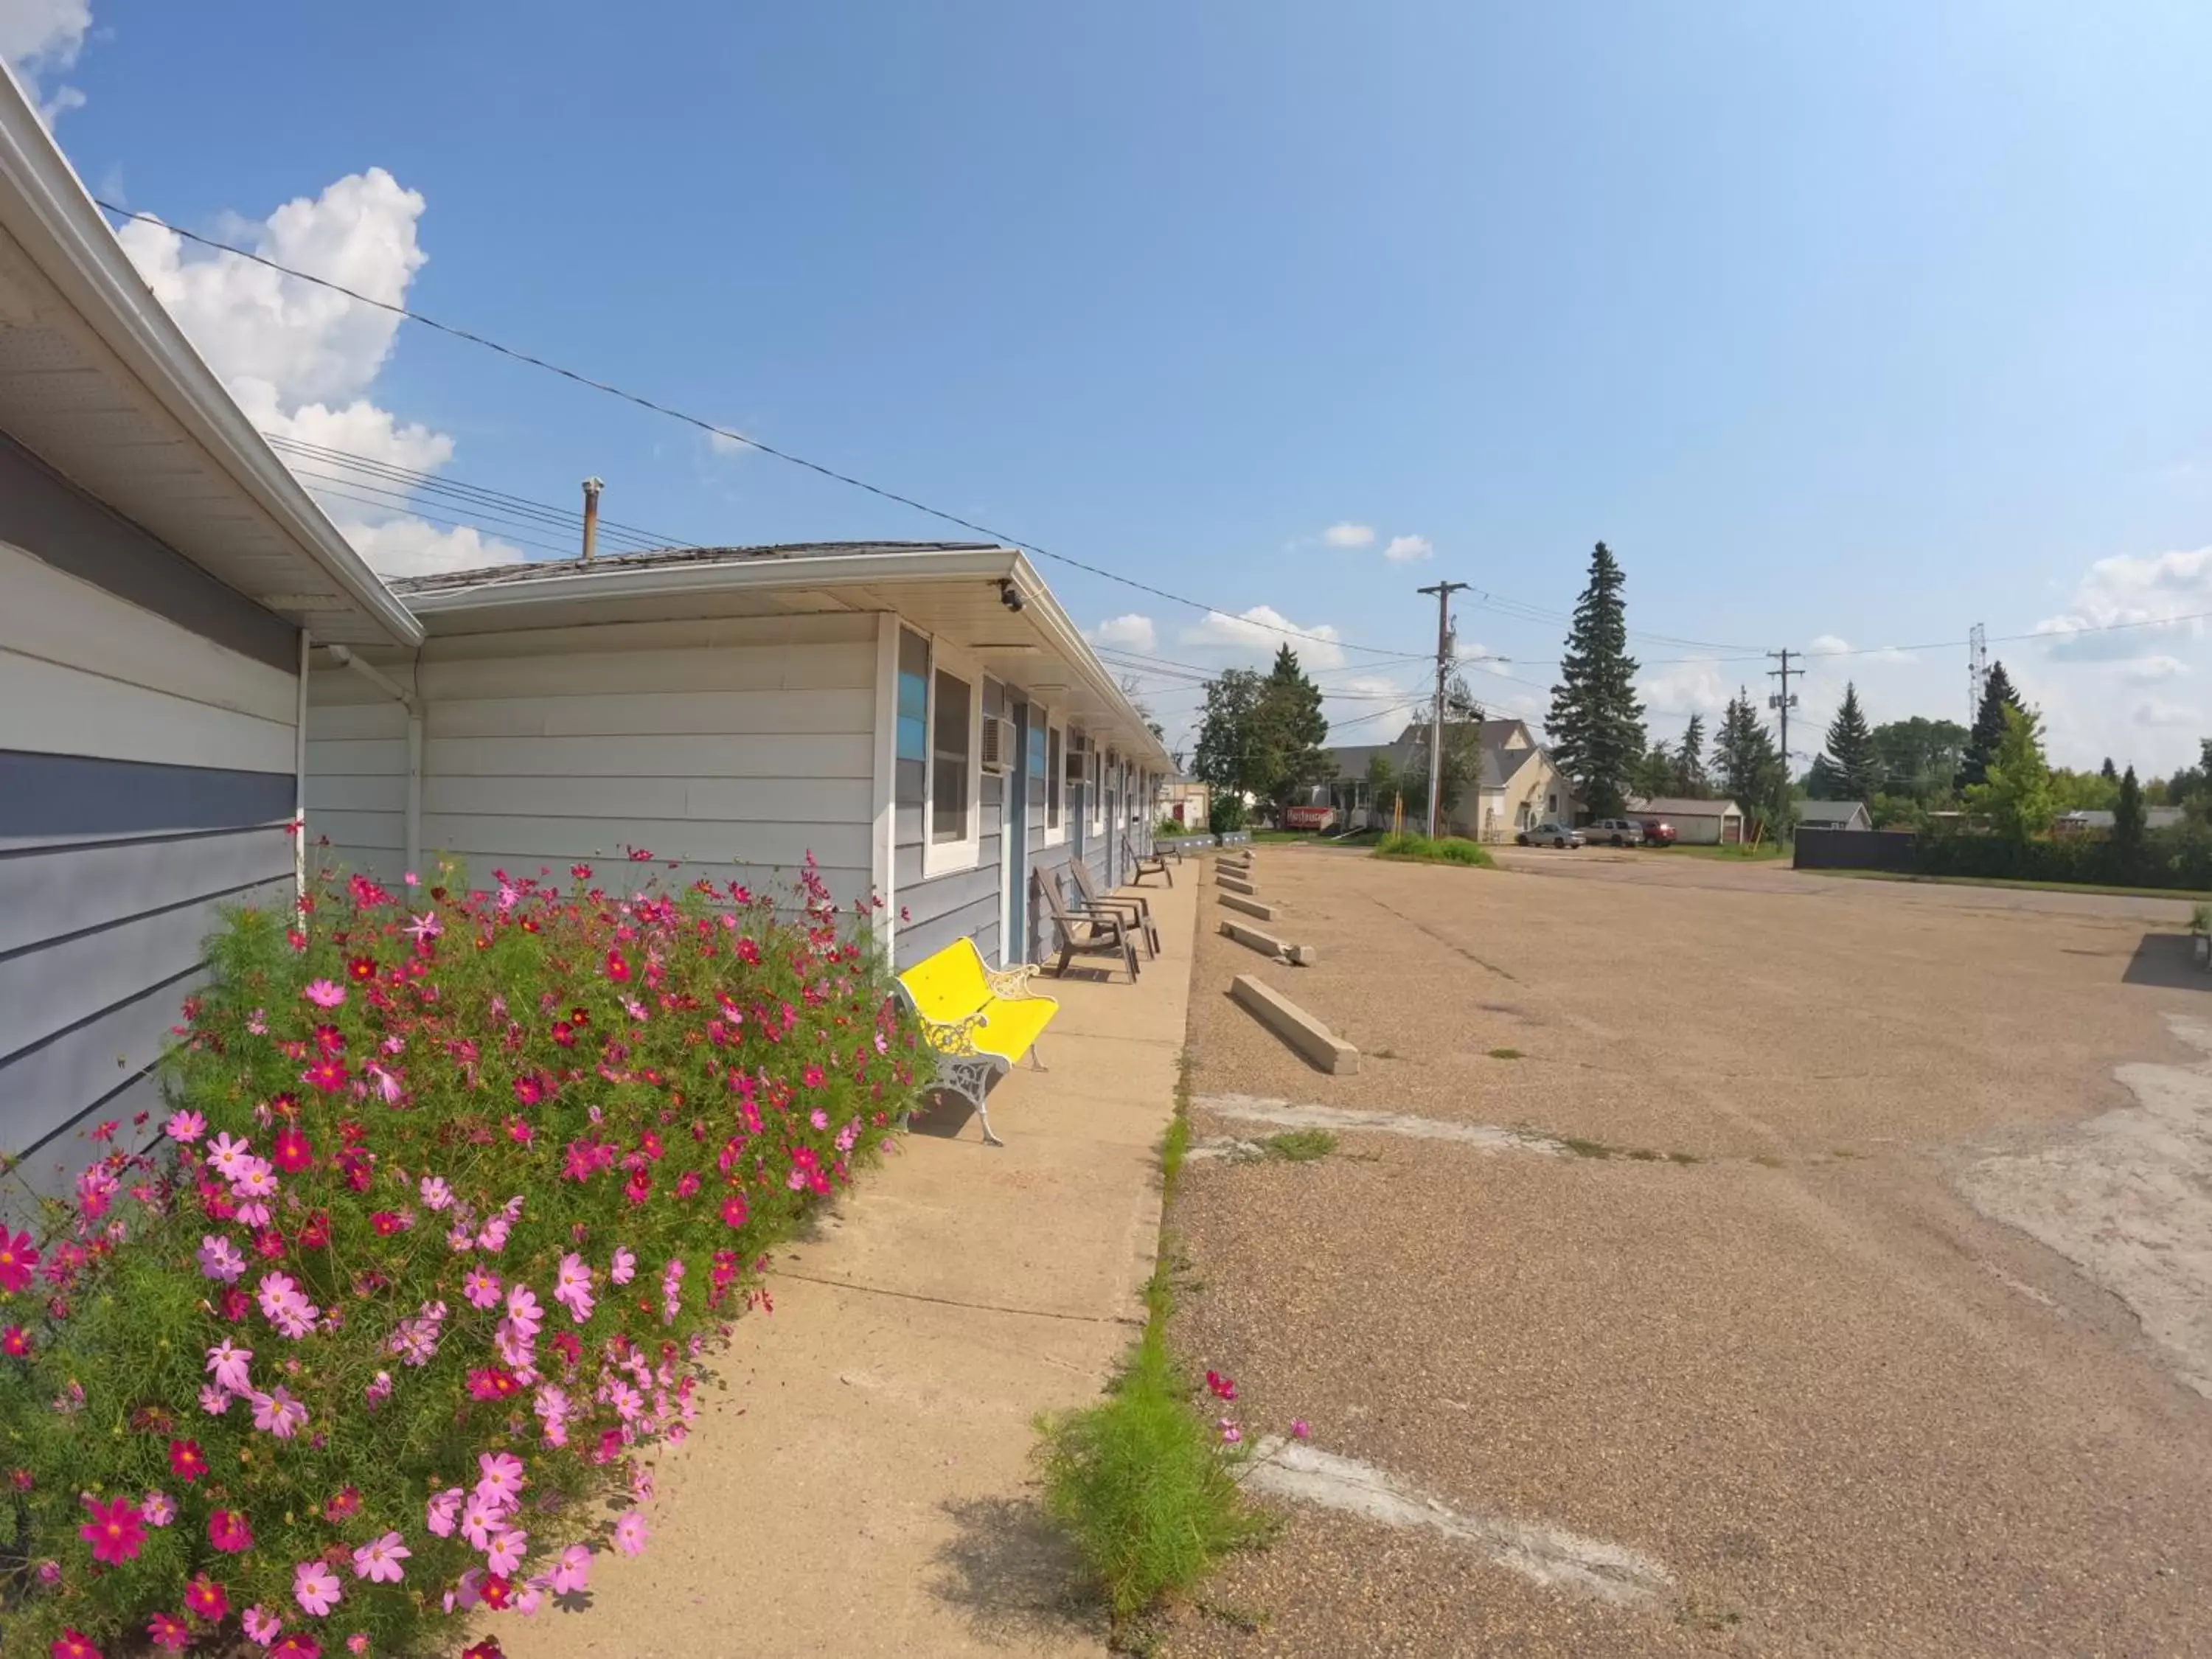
1721, 1298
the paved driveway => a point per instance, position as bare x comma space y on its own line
1844, 1289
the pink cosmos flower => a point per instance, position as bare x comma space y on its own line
625, 1265
734, 1211
315, 1588
19, 1258
500, 1477
278, 1413
219, 1258
525, 1309
813, 1077
378, 1391
49, 1573
261, 1625
324, 994
228, 1362
159, 1509
227, 1156
425, 927
480, 1521
818, 1118
116, 1531
185, 1126
1230, 1434
481, 1287
1300, 1430
440, 1513
378, 1560
504, 1554
630, 1534
572, 1573
436, 1194
358, 1642
572, 1287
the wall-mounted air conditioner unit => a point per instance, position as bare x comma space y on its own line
998, 746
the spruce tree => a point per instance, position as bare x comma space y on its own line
1854, 765
1298, 729
1748, 763
1988, 732
2128, 819
1596, 725
2108, 772
1690, 760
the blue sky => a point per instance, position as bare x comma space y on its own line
1842, 325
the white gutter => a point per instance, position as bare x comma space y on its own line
407, 699
45, 207
1065, 637
300, 774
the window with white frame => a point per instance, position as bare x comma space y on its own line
953, 785
1095, 790
1055, 784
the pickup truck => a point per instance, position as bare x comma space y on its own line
1614, 832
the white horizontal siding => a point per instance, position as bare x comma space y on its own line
56, 618
734, 748
46, 708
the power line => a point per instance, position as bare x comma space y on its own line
710, 428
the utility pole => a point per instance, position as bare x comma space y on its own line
1783, 701
1443, 591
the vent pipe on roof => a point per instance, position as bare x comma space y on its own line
592, 489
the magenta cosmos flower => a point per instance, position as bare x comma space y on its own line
18, 1258
228, 1532
116, 1530
73, 1644
205, 1599
168, 1632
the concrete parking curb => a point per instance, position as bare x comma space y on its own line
1250, 907
1326, 1050
1298, 956
1236, 884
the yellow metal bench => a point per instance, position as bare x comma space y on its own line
980, 1020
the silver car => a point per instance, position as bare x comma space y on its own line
1551, 835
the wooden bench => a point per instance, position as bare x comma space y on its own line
979, 1020
1143, 866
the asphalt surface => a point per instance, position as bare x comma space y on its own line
1781, 1354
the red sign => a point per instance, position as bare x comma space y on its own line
1308, 817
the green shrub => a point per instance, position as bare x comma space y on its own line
458, 1188
2179, 857
1226, 813
1445, 849
1144, 1486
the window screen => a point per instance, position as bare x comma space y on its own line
949, 784
913, 722
1055, 777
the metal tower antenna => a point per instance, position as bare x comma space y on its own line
1977, 671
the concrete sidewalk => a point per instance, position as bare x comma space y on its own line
858, 1484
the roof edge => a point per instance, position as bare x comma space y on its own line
73, 245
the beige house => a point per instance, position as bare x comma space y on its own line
1518, 785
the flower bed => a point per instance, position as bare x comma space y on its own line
458, 1190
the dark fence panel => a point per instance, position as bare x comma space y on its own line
1857, 849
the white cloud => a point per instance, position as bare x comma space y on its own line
301, 360
1260, 631
2148, 597
1834, 645
1132, 632
42, 38
2157, 711
1349, 535
2149, 671
1697, 686
1403, 549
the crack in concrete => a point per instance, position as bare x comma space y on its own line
1254, 1109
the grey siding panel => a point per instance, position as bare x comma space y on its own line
932, 900
977, 920
52, 1171
42, 513
46, 799
87, 1063
48, 894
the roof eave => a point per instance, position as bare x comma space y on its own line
49, 212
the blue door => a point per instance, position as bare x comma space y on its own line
1014, 825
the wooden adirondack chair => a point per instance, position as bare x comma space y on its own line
1094, 935
1141, 867
1133, 906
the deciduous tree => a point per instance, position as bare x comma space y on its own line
2015, 791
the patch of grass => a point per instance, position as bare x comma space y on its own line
1445, 849
1743, 853
1506, 1054
1601, 1150
1682, 1158
1582, 1148
1300, 1145
1139, 1481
